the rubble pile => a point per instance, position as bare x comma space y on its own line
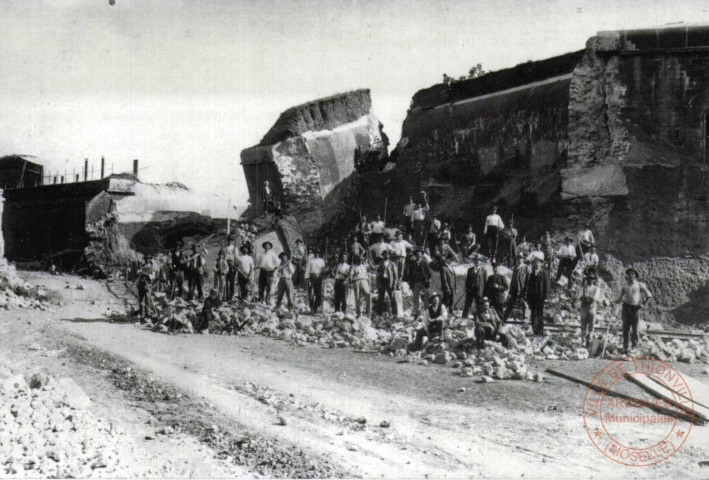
108, 251
16, 293
46, 431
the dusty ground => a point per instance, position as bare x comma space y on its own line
248, 406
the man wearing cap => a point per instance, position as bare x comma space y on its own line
299, 258
286, 270
590, 260
342, 280
378, 228
437, 316
267, 266
493, 226
537, 288
387, 280
567, 259
244, 272
518, 288
230, 254
497, 287
314, 272
487, 325
589, 296
473, 291
359, 277
634, 295
195, 269
177, 271
419, 279
399, 249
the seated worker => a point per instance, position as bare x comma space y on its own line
206, 315
437, 319
487, 325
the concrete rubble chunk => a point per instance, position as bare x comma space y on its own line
72, 394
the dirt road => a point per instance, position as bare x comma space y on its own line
311, 411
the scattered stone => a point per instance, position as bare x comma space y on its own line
384, 424
282, 421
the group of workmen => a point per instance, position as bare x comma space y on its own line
377, 256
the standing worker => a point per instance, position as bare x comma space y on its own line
590, 260
387, 280
537, 288
359, 276
518, 288
493, 227
496, 289
589, 296
399, 249
244, 272
314, 273
586, 239
195, 274
342, 280
177, 271
146, 277
408, 211
300, 255
221, 270
419, 278
267, 266
378, 229
634, 295
511, 245
472, 292
286, 270
231, 252
567, 259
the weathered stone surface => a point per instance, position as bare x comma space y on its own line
598, 181
72, 394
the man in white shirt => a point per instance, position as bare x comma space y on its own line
299, 257
314, 272
378, 229
230, 254
586, 239
590, 260
285, 270
244, 272
634, 295
342, 280
418, 219
267, 266
377, 250
359, 276
408, 211
493, 227
433, 230
567, 260
589, 296
399, 249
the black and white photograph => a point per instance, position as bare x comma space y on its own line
378, 239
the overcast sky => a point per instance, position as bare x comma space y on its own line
186, 85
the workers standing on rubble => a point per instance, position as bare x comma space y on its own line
378, 229
267, 267
468, 244
518, 288
177, 271
342, 280
590, 260
195, 274
244, 272
496, 288
387, 280
537, 288
634, 295
435, 326
300, 255
221, 270
146, 277
314, 273
567, 260
589, 296
286, 269
473, 291
493, 227
231, 252
359, 276
400, 250
487, 325
419, 279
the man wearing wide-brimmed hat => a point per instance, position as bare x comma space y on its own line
634, 296
267, 265
285, 270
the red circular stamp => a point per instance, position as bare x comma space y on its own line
633, 429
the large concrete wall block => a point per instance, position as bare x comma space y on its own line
598, 181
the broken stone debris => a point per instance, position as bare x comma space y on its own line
16, 293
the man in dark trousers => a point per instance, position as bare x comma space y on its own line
496, 289
487, 325
195, 273
472, 291
448, 282
518, 288
537, 287
419, 276
387, 280
633, 295
177, 271
493, 227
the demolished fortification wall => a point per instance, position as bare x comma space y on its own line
308, 156
613, 135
